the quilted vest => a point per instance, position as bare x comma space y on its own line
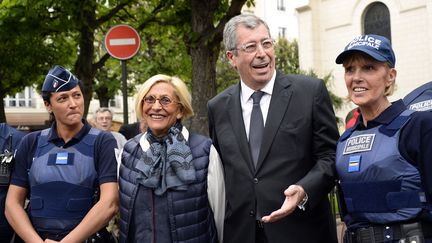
189, 214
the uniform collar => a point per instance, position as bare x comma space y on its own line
53, 136
387, 116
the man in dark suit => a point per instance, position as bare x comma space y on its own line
131, 130
276, 192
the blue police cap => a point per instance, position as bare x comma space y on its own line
59, 79
376, 46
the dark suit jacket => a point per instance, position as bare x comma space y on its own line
298, 147
130, 130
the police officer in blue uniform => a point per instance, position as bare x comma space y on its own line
62, 168
9, 139
384, 162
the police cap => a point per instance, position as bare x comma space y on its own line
59, 79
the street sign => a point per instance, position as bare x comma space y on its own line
122, 42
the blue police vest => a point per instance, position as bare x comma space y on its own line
62, 183
378, 184
420, 99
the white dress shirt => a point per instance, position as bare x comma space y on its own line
247, 103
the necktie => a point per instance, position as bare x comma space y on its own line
256, 127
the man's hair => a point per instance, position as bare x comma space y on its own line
230, 31
102, 110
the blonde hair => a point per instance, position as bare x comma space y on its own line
180, 90
361, 57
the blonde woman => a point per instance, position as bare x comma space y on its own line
171, 181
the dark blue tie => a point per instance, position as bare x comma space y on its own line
256, 127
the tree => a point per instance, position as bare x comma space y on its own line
180, 37
27, 49
42, 33
204, 46
287, 60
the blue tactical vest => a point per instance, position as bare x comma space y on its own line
378, 184
190, 218
62, 183
420, 99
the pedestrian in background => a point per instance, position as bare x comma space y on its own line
103, 117
133, 129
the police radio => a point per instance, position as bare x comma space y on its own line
6, 162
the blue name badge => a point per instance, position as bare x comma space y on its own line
62, 158
354, 163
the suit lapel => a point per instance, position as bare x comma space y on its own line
279, 103
235, 114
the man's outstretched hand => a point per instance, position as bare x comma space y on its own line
294, 194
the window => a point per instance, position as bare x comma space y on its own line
376, 20
112, 103
22, 99
281, 5
282, 32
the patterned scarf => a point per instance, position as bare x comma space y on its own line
167, 163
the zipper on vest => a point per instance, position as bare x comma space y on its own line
153, 217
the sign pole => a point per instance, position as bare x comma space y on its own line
122, 42
124, 91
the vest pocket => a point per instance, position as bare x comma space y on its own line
36, 203
79, 204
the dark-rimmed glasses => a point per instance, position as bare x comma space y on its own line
163, 100
253, 46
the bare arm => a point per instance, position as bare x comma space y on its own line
17, 216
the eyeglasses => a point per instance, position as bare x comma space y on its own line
253, 46
163, 100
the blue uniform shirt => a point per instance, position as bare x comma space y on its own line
415, 139
5, 130
105, 160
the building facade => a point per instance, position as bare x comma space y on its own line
280, 16
326, 26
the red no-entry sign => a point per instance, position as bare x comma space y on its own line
122, 42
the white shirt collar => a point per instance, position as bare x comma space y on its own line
146, 145
246, 92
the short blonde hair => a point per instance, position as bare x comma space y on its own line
180, 90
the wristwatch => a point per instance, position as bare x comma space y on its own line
302, 203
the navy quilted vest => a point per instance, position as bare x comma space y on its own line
190, 217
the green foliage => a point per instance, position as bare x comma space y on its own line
40, 33
287, 57
27, 51
225, 74
287, 60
